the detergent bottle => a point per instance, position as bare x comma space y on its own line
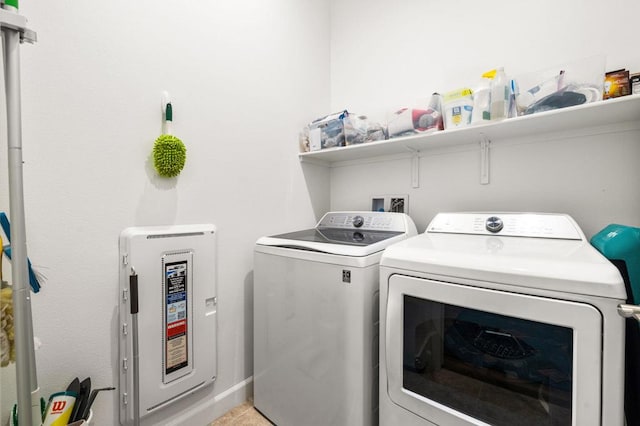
482, 101
500, 92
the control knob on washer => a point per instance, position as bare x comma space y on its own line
358, 221
494, 224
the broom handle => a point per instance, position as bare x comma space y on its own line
27, 381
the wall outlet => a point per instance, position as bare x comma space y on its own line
396, 203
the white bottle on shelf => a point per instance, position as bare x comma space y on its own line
499, 96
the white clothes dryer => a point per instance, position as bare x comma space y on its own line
316, 319
500, 319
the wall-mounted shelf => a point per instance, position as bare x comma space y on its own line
602, 113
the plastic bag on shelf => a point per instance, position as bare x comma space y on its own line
359, 129
407, 121
328, 131
569, 84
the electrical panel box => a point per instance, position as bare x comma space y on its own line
177, 314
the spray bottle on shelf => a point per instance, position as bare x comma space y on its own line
500, 92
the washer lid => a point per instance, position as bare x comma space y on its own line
347, 237
348, 233
555, 264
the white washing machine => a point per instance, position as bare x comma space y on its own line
500, 319
316, 304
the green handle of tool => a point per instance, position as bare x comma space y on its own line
168, 114
12, 3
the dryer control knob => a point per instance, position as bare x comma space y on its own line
358, 221
494, 224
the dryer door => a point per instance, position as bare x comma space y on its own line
460, 355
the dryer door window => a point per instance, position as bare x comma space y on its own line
495, 368
491, 357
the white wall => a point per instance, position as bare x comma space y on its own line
386, 55
245, 76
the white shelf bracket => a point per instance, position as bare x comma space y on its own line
415, 169
485, 144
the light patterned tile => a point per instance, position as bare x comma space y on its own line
251, 418
232, 415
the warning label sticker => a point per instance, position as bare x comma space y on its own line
176, 316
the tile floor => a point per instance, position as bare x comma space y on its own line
242, 415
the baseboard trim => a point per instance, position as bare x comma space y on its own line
243, 385
205, 412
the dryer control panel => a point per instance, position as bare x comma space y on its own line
536, 225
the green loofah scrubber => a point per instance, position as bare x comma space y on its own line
169, 155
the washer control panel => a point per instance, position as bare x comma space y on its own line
371, 221
537, 225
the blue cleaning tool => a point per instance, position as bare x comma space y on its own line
6, 228
621, 245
